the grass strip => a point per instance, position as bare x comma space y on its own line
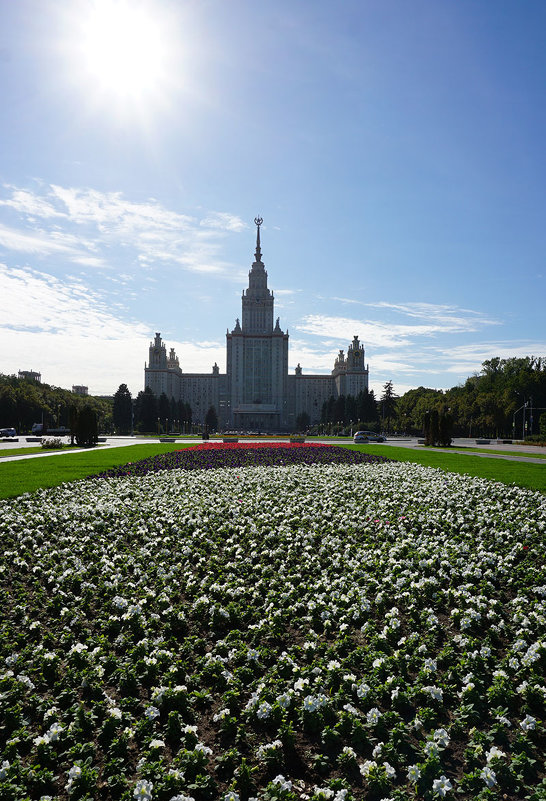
29, 475
491, 452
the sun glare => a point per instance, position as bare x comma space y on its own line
122, 49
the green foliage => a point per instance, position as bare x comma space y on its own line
360, 410
87, 432
486, 405
211, 419
388, 404
303, 421
146, 411
437, 428
24, 402
123, 410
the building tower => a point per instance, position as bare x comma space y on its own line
257, 357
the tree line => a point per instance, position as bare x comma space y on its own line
24, 402
147, 413
507, 398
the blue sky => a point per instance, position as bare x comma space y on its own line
395, 151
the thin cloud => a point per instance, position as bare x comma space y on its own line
468, 359
88, 226
25, 242
224, 221
453, 317
63, 325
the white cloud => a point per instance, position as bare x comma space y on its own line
468, 359
36, 243
30, 204
226, 222
67, 333
198, 357
343, 330
88, 226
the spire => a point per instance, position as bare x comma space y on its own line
258, 255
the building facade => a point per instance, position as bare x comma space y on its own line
256, 393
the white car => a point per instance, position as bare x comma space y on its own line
8, 432
368, 436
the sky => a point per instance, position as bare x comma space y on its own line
394, 149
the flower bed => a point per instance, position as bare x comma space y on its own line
212, 455
325, 631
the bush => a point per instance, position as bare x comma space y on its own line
87, 433
51, 443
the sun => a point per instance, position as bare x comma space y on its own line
122, 49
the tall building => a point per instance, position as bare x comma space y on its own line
256, 392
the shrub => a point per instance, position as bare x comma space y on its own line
87, 433
51, 443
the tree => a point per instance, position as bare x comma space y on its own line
164, 411
87, 432
388, 403
123, 410
303, 421
445, 427
146, 411
211, 419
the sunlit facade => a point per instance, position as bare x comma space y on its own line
256, 393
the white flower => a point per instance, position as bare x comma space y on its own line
73, 775
284, 700
373, 716
488, 776
362, 690
157, 744
115, 712
435, 692
4, 767
441, 786
143, 790
366, 767
151, 712
494, 753
441, 737
264, 710
284, 784
231, 796
528, 723
431, 749
54, 732
414, 773
389, 770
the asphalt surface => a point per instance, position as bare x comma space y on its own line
512, 452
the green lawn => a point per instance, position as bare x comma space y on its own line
31, 474
28, 475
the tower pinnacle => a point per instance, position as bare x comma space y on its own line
258, 255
